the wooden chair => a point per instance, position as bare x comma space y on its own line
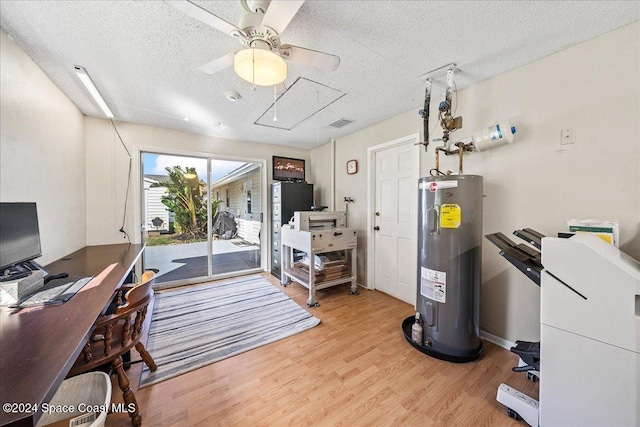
115, 334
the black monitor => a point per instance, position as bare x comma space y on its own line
19, 234
288, 169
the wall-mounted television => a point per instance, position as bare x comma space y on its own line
19, 234
288, 169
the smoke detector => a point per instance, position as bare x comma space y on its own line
232, 95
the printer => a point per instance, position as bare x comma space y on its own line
589, 350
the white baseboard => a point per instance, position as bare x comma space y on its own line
501, 342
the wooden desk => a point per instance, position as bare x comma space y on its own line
39, 345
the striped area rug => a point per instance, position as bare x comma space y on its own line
199, 325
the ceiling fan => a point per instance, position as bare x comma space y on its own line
261, 61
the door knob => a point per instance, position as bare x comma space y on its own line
377, 213
376, 228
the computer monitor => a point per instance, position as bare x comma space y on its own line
19, 234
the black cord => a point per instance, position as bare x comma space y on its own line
126, 195
437, 171
121, 141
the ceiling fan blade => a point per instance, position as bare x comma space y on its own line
202, 15
217, 64
324, 61
280, 13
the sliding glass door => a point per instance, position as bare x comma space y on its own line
237, 218
201, 217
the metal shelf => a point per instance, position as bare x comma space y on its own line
321, 285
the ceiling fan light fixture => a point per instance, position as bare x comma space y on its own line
260, 66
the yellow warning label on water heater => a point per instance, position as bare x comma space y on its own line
450, 216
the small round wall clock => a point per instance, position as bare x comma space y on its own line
352, 166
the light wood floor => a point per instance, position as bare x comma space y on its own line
354, 369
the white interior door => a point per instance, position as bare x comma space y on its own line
395, 236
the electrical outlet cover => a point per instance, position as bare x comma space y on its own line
567, 136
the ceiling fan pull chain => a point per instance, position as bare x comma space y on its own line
275, 105
253, 70
317, 117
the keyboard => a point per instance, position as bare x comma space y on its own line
56, 291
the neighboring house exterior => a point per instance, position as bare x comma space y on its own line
240, 194
153, 203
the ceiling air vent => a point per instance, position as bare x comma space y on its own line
340, 123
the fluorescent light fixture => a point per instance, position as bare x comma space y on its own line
260, 66
88, 83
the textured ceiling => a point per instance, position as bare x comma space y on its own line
142, 56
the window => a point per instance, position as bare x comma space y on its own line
248, 201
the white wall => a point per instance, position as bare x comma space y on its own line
42, 156
322, 175
108, 162
594, 88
